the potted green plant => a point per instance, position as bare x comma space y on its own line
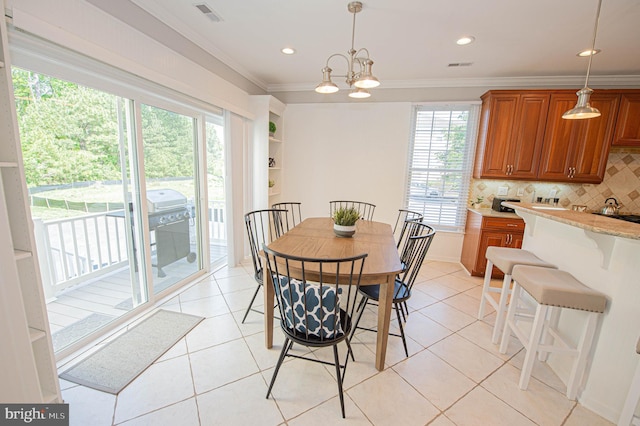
272, 128
344, 221
477, 202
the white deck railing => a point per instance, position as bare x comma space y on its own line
76, 249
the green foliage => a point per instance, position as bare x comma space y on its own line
272, 127
346, 216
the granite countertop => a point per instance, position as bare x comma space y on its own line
492, 213
590, 222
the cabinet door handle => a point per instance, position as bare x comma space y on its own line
512, 225
508, 239
510, 169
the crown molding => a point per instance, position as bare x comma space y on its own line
544, 81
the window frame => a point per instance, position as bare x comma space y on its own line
473, 122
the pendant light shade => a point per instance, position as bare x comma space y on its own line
583, 109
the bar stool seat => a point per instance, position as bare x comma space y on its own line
504, 258
627, 417
553, 290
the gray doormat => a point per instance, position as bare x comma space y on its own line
74, 332
114, 366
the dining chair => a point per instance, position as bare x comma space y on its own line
366, 210
401, 223
316, 299
414, 252
263, 226
294, 213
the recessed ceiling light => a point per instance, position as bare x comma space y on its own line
589, 52
288, 50
465, 40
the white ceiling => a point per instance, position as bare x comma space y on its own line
410, 41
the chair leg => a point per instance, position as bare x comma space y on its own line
349, 350
404, 341
626, 416
339, 376
502, 306
285, 348
547, 338
251, 303
511, 314
584, 346
485, 287
360, 310
532, 346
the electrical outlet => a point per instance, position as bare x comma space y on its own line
553, 193
520, 192
502, 191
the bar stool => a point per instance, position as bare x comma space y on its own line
626, 417
553, 290
504, 258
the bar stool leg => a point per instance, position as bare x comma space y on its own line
583, 352
626, 416
511, 314
547, 338
532, 346
485, 287
502, 306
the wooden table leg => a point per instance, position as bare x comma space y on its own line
268, 309
384, 316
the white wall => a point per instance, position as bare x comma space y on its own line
352, 151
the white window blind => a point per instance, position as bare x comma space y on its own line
441, 162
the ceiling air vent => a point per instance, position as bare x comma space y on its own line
460, 64
208, 12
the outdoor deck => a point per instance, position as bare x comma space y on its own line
81, 309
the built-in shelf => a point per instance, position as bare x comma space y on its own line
8, 164
35, 334
271, 194
274, 168
21, 254
274, 140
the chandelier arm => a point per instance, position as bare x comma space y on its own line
361, 50
338, 54
593, 43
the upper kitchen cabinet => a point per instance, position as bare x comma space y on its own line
627, 131
511, 134
577, 150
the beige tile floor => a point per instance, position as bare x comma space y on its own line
218, 374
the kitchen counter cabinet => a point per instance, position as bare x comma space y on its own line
511, 134
576, 151
484, 229
604, 254
627, 132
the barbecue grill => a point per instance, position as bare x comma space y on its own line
169, 223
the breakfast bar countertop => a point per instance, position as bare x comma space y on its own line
591, 222
487, 212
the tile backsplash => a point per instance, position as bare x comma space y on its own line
621, 181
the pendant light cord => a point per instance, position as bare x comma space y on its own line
593, 43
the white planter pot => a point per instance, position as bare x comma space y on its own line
344, 231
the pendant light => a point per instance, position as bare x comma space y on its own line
583, 109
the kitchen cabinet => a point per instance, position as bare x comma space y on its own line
577, 150
484, 229
627, 131
28, 372
511, 133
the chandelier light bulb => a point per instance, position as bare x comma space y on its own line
359, 93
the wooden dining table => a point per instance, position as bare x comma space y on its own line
314, 238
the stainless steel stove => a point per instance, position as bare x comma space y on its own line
634, 218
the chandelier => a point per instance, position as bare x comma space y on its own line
358, 66
583, 108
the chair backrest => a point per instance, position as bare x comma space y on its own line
263, 226
414, 251
365, 209
400, 228
293, 215
316, 297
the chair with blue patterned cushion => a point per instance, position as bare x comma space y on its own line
263, 226
412, 254
316, 299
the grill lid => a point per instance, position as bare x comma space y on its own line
163, 199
